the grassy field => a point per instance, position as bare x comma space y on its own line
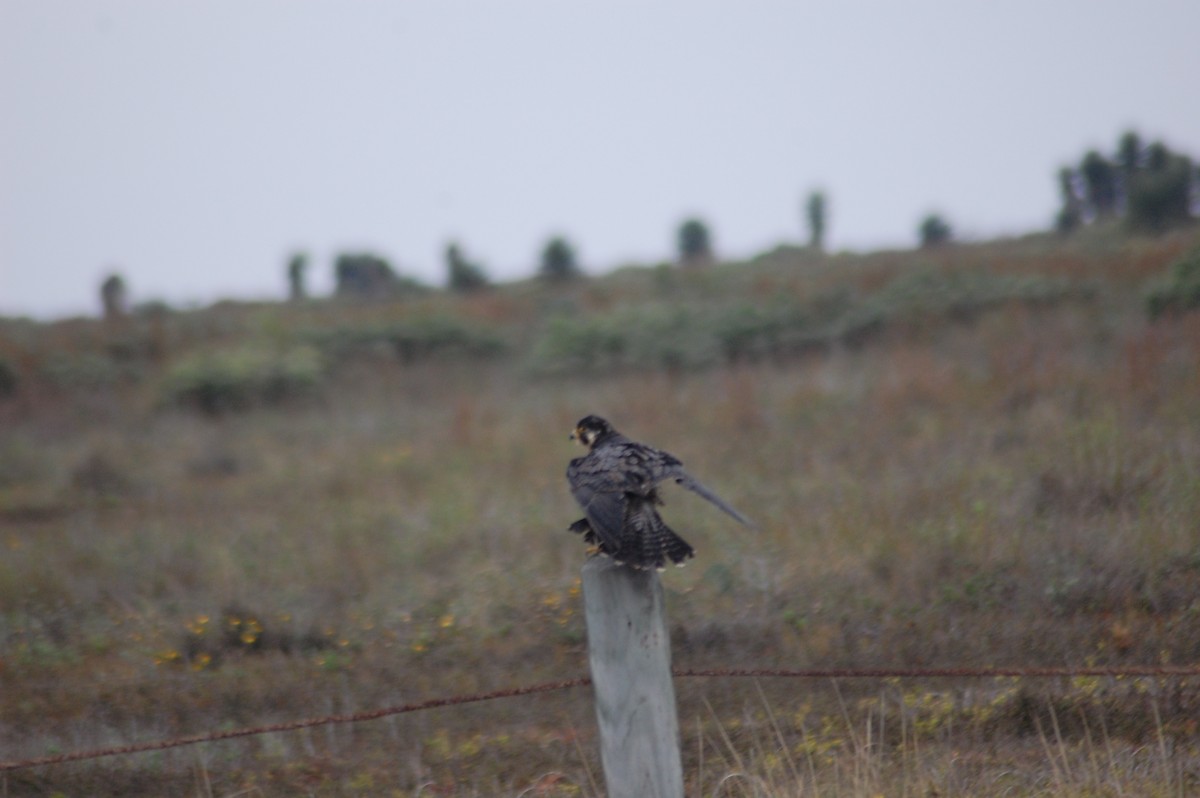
981, 455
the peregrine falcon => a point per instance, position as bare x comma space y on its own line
616, 483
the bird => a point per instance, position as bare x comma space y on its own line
616, 484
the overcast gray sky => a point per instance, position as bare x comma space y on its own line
193, 145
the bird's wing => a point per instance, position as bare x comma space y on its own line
642, 467
599, 488
660, 466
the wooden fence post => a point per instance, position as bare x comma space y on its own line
630, 654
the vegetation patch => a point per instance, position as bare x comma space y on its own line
243, 377
963, 295
1179, 291
409, 340
941, 479
698, 334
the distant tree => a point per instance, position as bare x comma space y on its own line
363, 275
1100, 184
1129, 152
1158, 155
815, 209
934, 231
1160, 195
1150, 186
1070, 215
114, 297
558, 260
461, 274
694, 243
296, 271
1129, 161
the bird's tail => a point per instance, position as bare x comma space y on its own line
691, 484
647, 542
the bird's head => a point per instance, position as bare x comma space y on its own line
591, 429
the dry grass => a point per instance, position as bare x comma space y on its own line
1017, 488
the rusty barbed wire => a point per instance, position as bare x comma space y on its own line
1133, 671
355, 717
942, 673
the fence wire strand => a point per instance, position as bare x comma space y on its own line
582, 681
327, 720
943, 673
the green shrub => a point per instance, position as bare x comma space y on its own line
411, 340
8, 379
441, 335
571, 344
83, 370
1179, 290
237, 379
697, 335
153, 309
665, 337
654, 336
747, 332
962, 295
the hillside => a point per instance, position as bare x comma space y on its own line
964, 456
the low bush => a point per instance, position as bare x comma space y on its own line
409, 340
83, 370
570, 344
695, 335
963, 295
237, 379
8, 379
1179, 290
